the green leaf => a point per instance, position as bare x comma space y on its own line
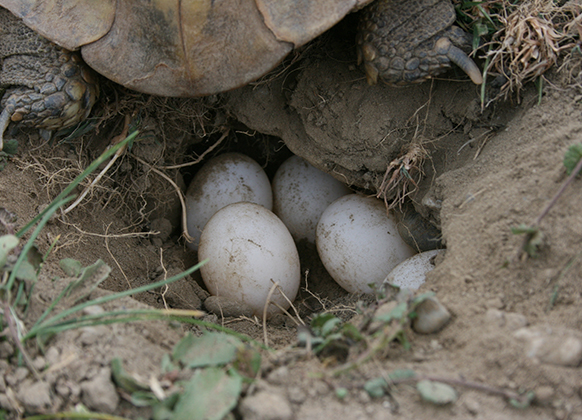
330, 326
376, 387
209, 395
123, 379
351, 331
318, 322
421, 298
534, 238
71, 267
26, 272
7, 244
143, 399
398, 312
210, 349
572, 156
436, 392
247, 361
400, 374
524, 401
341, 393
10, 147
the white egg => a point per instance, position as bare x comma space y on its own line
301, 193
223, 180
411, 273
358, 242
248, 248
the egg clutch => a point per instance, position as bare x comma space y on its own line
247, 230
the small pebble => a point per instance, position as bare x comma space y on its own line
5, 402
93, 310
265, 405
472, 405
6, 350
99, 393
39, 363
279, 376
35, 397
544, 394
431, 316
53, 356
510, 320
296, 395
17, 376
561, 347
90, 335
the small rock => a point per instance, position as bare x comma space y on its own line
17, 376
93, 310
35, 396
515, 321
163, 226
5, 402
495, 303
431, 316
90, 335
510, 320
39, 363
544, 395
265, 405
222, 306
99, 393
53, 356
6, 350
296, 395
279, 376
561, 347
472, 405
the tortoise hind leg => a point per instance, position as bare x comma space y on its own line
406, 41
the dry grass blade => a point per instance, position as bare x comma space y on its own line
533, 36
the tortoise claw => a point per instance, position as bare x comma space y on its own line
4, 121
460, 58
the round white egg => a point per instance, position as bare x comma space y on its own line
411, 273
301, 193
223, 180
248, 248
358, 242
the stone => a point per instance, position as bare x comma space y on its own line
6, 350
279, 376
431, 316
34, 396
544, 394
510, 320
99, 393
557, 346
265, 405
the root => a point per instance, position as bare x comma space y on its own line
401, 174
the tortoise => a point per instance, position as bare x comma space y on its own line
185, 49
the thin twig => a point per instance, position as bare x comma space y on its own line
113, 142
178, 191
14, 332
267, 303
201, 157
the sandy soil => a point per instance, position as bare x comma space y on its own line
516, 320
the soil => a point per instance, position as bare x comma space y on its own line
488, 171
